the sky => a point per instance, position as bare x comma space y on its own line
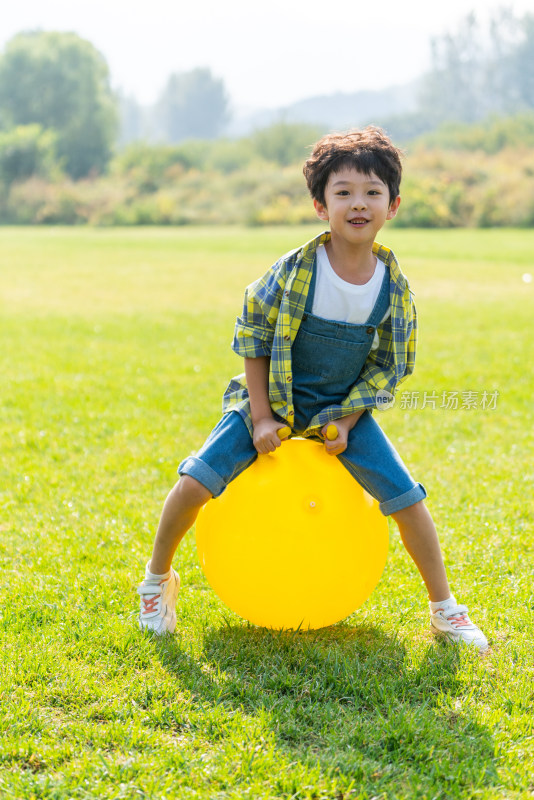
269, 54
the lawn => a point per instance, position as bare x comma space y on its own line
115, 350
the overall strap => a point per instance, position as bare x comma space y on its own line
382, 302
311, 291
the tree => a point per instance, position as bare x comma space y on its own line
61, 82
454, 88
132, 120
512, 64
477, 71
193, 105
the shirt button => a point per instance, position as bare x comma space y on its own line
287, 337
289, 378
369, 330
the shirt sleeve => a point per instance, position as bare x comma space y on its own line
254, 329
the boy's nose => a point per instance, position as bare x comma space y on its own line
359, 203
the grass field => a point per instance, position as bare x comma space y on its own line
114, 355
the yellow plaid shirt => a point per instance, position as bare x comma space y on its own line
272, 313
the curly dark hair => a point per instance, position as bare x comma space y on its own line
368, 150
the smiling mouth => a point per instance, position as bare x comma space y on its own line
358, 222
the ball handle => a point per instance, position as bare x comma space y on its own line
331, 433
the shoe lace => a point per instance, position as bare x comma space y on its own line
150, 604
149, 598
457, 617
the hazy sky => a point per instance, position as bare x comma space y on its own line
269, 54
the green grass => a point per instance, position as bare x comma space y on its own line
115, 352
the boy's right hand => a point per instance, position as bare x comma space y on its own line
266, 438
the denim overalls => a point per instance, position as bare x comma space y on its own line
327, 357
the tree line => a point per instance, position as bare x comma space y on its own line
477, 71
58, 111
476, 175
60, 125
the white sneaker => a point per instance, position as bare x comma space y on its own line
158, 604
453, 623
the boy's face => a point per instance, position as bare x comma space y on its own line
356, 205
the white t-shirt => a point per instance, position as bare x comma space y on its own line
341, 301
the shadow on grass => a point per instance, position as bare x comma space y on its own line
350, 699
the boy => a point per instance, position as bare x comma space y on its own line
329, 326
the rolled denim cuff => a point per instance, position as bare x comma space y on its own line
203, 473
403, 500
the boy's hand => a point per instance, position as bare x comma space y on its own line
266, 438
344, 425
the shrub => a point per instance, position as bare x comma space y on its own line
284, 143
491, 135
37, 201
28, 150
227, 182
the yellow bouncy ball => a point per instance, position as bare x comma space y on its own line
294, 541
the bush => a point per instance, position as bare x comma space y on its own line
284, 143
147, 167
37, 201
28, 150
228, 182
490, 136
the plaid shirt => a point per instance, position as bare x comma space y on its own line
272, 313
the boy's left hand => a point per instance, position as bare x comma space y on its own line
343, 426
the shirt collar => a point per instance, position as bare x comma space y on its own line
307, 253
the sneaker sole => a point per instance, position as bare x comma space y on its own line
457, 639
170, 629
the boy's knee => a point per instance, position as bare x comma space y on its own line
192, 491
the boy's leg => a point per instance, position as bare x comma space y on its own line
419, 536
373, 461
227, 452
179, 513
447, 618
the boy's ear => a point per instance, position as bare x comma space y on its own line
393, 208
320, 210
